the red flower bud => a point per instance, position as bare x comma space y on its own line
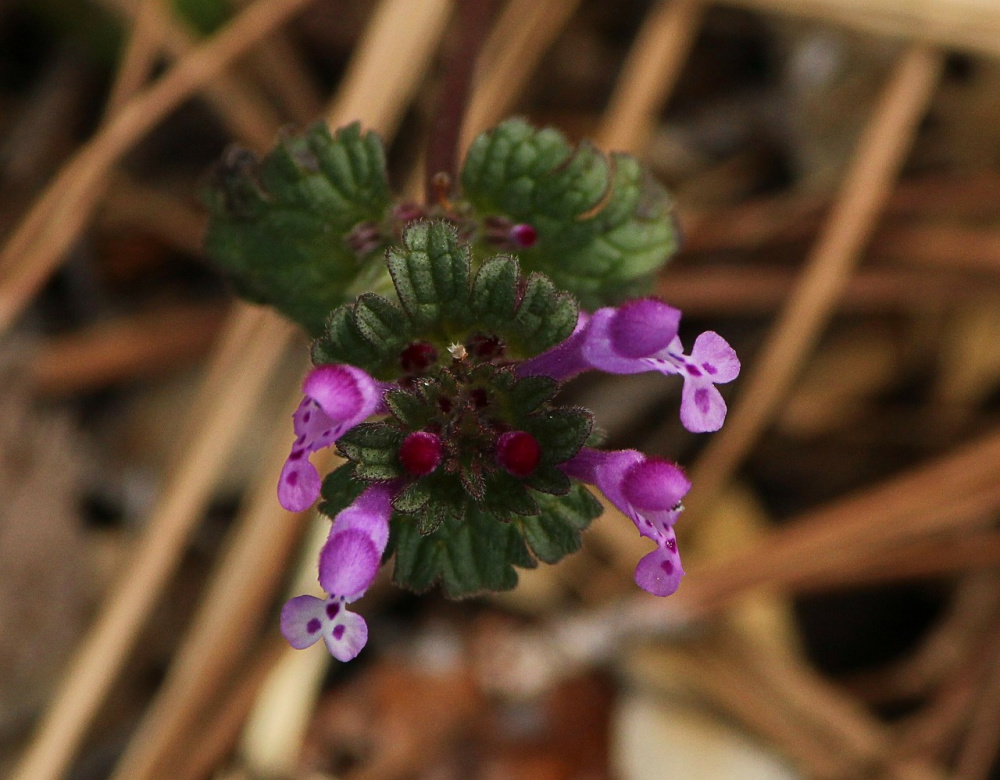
524, 235
420, 453
518, 452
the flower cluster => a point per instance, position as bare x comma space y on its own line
451, 430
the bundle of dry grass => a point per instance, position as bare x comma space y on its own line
838, 193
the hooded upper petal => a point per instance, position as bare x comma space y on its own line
647, 491
643, 327
351, 557
337, 398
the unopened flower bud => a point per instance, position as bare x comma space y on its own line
519, 453
420, 453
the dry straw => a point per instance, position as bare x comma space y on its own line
885, 531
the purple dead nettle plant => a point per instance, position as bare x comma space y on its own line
637, 337
438, 363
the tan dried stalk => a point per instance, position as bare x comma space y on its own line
972, 25
248, 118
251, 347
138, 58
650, 72
979, 748
862, 196
235, 601
378, 80
522, 34
756, 290
140, 345
928, 499
37, 245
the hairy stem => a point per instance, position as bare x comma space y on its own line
473, 24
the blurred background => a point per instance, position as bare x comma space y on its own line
836, 169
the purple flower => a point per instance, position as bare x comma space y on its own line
642, 336
648, 491
446, 416
337, 397
348, 563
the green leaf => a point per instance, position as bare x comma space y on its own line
494, 292
431, 274
476, 552
411, 410
343, 343
382, 324
548, 479
508, 496
278, 227
413, 497
530, 392
471, 555
545, 317
604, 225
374, 449
340, 489
555, 531
560, 432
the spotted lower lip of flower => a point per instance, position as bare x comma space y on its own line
648, 491
348, 563
641, 336
337, 398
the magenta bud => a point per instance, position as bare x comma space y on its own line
519, 453
420, 453
524, 235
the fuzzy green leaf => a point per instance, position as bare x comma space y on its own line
374, 450
467, 556
278, 227
548, 479
340, 489
560, 432
382, 324
431, 274
604, 225
411, 410
555, 531
344, 343
545, 317
494, 292
413, 497
531, 392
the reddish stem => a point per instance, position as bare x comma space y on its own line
473, 25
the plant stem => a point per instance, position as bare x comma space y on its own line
473, 24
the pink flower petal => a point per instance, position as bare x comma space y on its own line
346, 394
713, 355
599, 349
299, 485
655, 484
563, 361
302, 621
348, 636
660, 571
369, 514
348, 563
643, 327
702, 407
338, 397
